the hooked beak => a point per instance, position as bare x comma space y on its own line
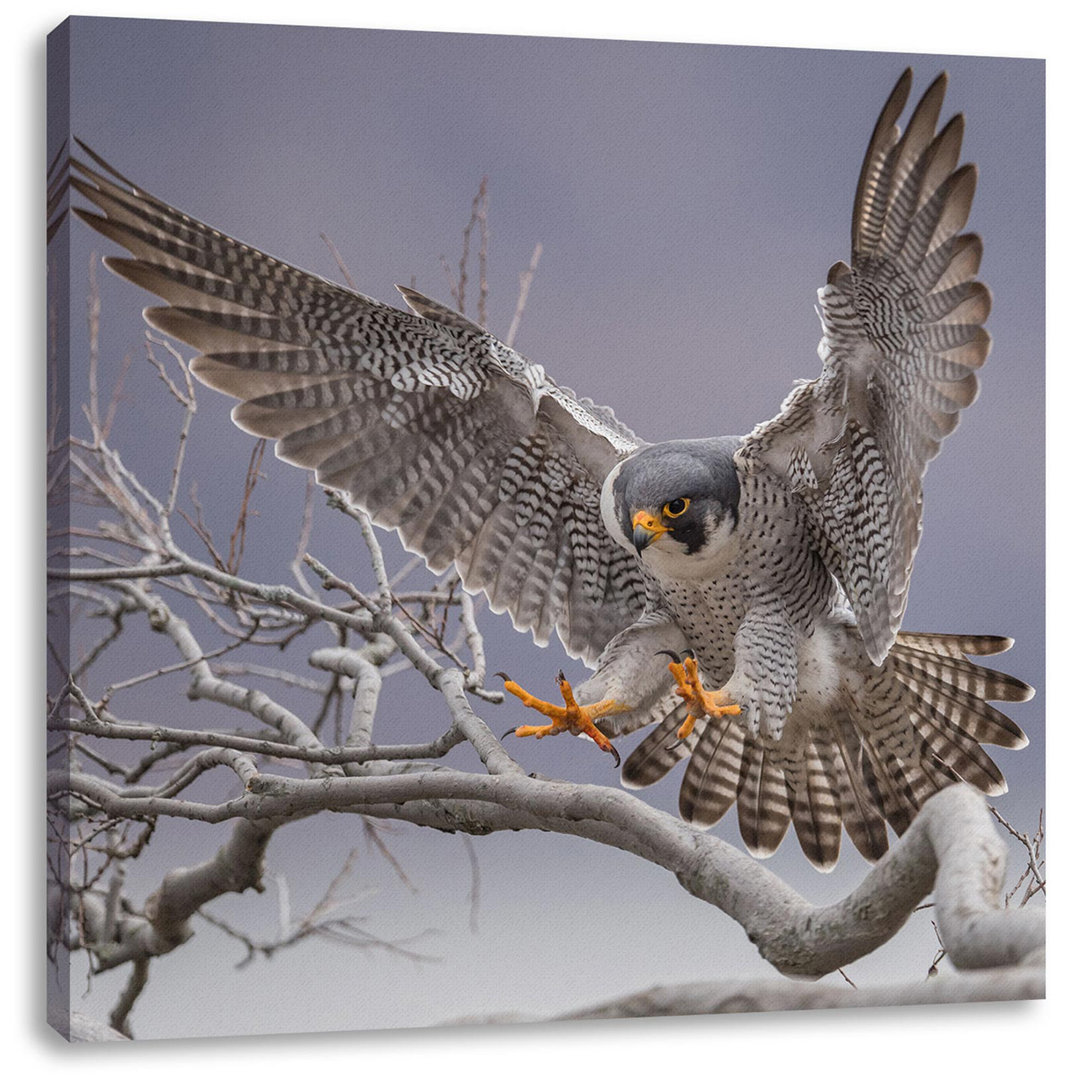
647, 530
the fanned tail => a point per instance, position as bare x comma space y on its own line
915, 728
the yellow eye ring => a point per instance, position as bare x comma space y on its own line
676, 508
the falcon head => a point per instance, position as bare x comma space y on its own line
676, 505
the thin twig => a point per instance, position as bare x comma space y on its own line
339, 260
236, 540
524, 284
304, 539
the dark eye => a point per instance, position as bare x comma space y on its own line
676, 508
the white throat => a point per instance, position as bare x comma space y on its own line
668, 560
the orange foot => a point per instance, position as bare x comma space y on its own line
699, 702
572, 717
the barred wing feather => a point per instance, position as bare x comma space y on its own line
902, 340
427, 422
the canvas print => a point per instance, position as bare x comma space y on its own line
538, 530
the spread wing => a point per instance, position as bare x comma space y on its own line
427, 422
903, 337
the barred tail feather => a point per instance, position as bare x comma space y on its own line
948, 699
815, 808
715, 773
955, 645
971, 678
658, 753
959, 753
860, 803
972, 715
764, 813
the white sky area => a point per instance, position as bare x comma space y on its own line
690, 200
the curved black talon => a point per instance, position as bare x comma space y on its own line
510, 732
689, 655
615, 754
505, 678
676, 658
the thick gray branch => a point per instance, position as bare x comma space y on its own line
237, 866
953, 839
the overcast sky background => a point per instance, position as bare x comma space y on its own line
690, 200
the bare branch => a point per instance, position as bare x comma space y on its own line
378, 563
119, 1018
93, 320
1034, 868
339, 260
314, 755
951, 841
305, 537
524, 284
236, 540
362, 665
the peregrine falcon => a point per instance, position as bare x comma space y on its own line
744, 593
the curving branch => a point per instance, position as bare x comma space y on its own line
952, 844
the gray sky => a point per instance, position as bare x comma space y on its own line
690, 200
